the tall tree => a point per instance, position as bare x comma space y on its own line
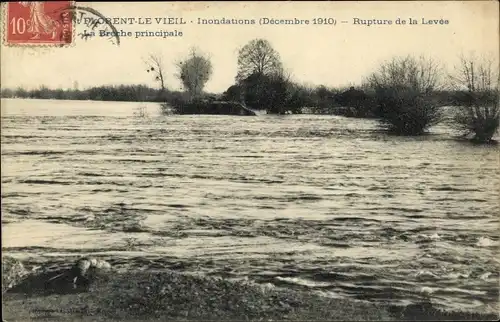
258, 57
194, 72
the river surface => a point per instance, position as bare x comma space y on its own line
324, 203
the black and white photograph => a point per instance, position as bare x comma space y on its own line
250, 161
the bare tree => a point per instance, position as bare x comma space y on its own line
154, 65
258, 57
475, 74
402, 89
476, 81
421, 74
194, 72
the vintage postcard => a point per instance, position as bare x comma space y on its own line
250, 160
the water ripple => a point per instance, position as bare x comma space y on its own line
317, 202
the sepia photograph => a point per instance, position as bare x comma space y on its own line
250, 161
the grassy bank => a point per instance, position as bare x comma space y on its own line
167, 295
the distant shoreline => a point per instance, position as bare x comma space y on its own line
120, 93
75, 100
145, 94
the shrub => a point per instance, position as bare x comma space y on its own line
233, 93
175, 103
478, 116
403, 110
275, 93
299, 98
403, 89
261, 91
357, 103
478, 110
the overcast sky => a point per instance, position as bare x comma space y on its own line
316, 54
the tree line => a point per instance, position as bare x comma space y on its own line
405, 93
132, 93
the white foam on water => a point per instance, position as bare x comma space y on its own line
435, 236
485, 276
457, 276
300, 281
485, 242
258, 170
464, 291
424, 274
427, 290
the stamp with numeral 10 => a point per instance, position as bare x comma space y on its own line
38, 23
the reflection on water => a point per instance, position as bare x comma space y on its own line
318, 202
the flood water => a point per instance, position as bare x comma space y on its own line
317, 202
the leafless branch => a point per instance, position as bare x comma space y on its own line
154, 65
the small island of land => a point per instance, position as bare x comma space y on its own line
209, 106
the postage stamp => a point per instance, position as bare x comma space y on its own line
38, 23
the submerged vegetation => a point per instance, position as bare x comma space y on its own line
405, 93
402, 91
206, 106
478, 111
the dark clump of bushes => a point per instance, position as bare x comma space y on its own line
403, 90
478, 115
476, 98
404, 110
275, 93
183, 105
356, 103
